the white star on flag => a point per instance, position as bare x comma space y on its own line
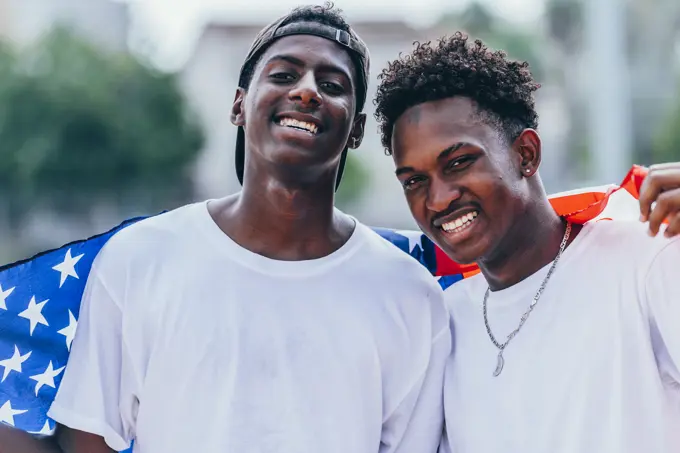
45, 431
46, 378
3, 297
414, 239
67, 268
7, 413
69, 331
34, 313
14, 362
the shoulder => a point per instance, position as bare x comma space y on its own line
148, 241
628, 238
390, 256
465, 295
609, 232
395, 274
170, 224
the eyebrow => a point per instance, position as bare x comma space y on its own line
299, 62
287, 58
442, 155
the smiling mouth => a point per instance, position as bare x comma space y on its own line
299, 125
461, 223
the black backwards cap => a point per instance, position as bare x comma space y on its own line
350, 40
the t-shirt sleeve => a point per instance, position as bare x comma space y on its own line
416, 425
96, 394
662, 288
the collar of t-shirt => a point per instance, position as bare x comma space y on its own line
529, 286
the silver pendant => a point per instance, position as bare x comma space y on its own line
499, 364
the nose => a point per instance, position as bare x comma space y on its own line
441, 194
306, 91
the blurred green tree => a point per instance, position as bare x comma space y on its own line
353, 183
666, 143
479, 23
79, 125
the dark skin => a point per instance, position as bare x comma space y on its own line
661, 186
286, 208
65, 440
453, 162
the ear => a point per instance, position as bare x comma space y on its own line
528, 148
237, 110
357, 133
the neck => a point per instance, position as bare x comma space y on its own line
284, 222
530, 245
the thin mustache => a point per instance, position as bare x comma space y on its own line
453, 206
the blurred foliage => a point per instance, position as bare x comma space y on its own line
565, 23
353, 182
479, 23
651, 28
666, 145
79, 125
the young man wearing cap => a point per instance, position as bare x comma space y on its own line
267, 321
569, 338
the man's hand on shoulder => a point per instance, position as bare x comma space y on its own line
661, 186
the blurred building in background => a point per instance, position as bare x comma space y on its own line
103, 22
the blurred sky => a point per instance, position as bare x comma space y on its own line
174, 24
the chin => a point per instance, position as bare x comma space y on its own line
294, 165
461, 257
294, 157
468, 252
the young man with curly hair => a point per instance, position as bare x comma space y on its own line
266, 321
569, 338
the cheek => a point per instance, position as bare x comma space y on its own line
416, 203
504, 200
342, 113
249, 107
261, 98
495, 180
259, 104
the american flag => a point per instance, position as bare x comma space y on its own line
40, 299
39, 307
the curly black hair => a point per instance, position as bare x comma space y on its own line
502, 88
327, 14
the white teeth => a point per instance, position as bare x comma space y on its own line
290, 122
460, 223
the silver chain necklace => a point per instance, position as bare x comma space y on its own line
501, 347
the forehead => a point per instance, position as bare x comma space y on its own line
311, 51
434, 126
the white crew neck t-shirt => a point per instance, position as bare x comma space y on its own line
595, 367
189, 342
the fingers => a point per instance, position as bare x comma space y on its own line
665, 166
667, 204
660, 178
673, 228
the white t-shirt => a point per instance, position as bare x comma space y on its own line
595, 367
188, 342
